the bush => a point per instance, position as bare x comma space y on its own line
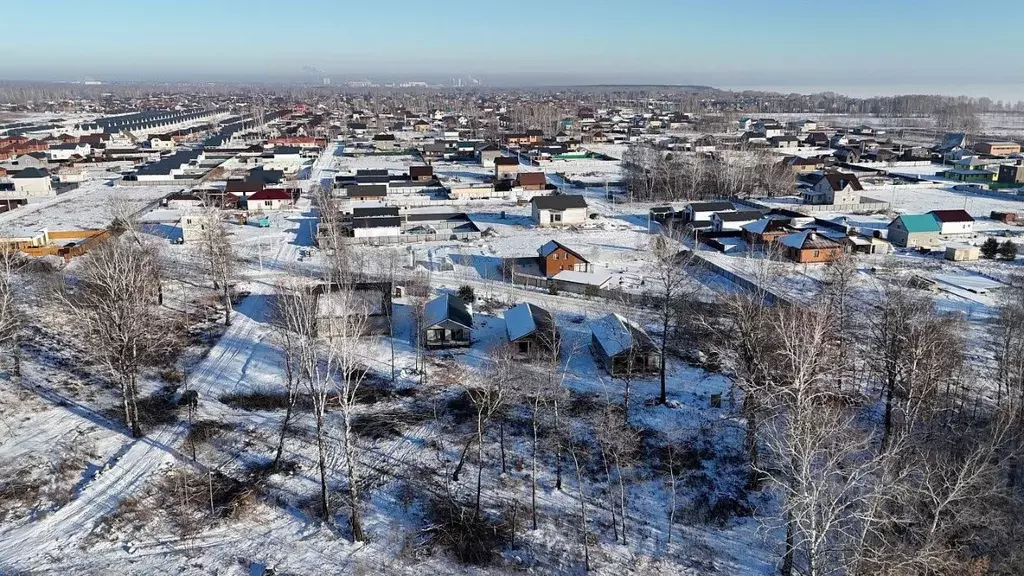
472, 539
1008, 250
467, 294
990, 248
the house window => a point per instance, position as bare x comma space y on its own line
556, 217
268, 202
816, 252
554, 256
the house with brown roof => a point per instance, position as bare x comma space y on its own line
953, 222
421, 173
531, 181
809, 246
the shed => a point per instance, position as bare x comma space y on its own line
622, 347
448, 322
531, 330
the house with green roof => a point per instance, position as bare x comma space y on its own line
911, 230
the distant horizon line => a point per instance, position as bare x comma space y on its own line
523, 86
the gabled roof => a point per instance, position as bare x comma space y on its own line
559, 202
506, 161
553, 245
952, 216
616, 335
242, 186
525, 319
415, 171
808, 240
714, 206
918, 223
31, 173
740, 216
532, 179
767, 225
271, 194
447, 307
839, 181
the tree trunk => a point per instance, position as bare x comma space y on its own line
325, 508
661, 369
479, 463
533, 474
501, 433
787, 558
887, 420
353, 486
227, 305
462, 460
583, 513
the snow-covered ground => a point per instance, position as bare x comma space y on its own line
106, 500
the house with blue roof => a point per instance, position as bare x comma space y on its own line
910, 230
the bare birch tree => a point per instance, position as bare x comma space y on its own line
221, 264
113, 295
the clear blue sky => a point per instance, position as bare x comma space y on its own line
733, 43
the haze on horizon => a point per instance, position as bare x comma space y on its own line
876, 47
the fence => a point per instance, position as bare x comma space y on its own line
90, 239
409, 238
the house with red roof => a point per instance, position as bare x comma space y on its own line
268, 200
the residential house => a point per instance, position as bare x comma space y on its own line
63, 152
997, 148
268, 200
531, 331
362, 310
810, 246
421, 126
954, 222
766, 231
421, 173
486, 154
193, 224
784, 141
243, 186
366, 192
531, 181
622, 346
385, 142
180, 200
725, 221
372, 222
556, 257
447, 323
803, 165
506, 168
559, 210
833, 188
911, 230
817, 139
702, 211
33, 183
1011, 174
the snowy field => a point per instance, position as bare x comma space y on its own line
90, 206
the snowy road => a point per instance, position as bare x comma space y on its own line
231, 361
